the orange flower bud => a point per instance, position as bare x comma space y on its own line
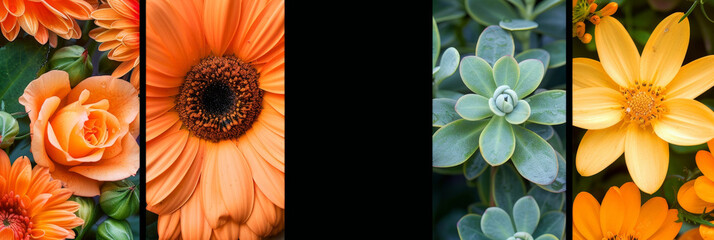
575, 3
586, 38
593, 7
595, 19
580, 29
608, 10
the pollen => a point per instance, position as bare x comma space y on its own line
643, 103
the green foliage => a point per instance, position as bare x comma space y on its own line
525, 221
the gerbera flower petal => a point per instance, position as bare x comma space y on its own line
617, 52
652, 215
277, 101
169, 226
271, 119
166, 26
270, 146
235, 176
693, 79
647, 158
20, 175
704, 187
612, 211
230, 230
686, 122
272, 77
163, 105
600, 148
664, 52
631, 200
247, 234
7, 233
705, 162
153, 91
214, 205
669, 228
193, 224
160, 125
586, 216
688, 199
164, 195
219, 23
265, 215
15, 7
264, 33
589, 73
597, 108
269, 179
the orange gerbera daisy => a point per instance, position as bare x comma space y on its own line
215, 117
118, 30
621, 217
32, 205
45, 20
638, 104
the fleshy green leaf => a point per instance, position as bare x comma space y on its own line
443, 111
484, 185
547, 107
506, 72
558, 185
496, 224
544, 131
448, 65
552, 222
475, 166
497, 141
557, 53
545, 6
534, 53
445, 10
477, 75
489, 12
20, 60
520, 113
526, 214
469, 227
454, 143
547, 201
494, 43
517, 24
441, 93
435, 43
532, 72
534, 158
473, 107
552, 22
507, 187
547, 237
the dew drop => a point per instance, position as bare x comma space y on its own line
666, 30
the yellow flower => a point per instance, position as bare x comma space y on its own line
637, 104
586, 10
621, 217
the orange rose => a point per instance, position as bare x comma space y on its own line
85, 135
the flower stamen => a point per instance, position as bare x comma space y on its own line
642, 103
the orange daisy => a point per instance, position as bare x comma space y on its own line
118, 30
697, 196
32, 205
215, 118
45, 20
621, 217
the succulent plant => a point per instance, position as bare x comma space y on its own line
497, 120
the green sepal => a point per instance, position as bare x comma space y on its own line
119, 199
113, 229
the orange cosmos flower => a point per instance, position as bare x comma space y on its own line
638, 104
621, 217
215, 117
32, 205
84, 135
119, 32
45, 20
697, 196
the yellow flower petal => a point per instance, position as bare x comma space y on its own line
653, 214
664, 52
688, 199
612, 212
693, 79
597, 107
586, 216
618, 53
669, 228
685, 122
705, 163
589, 73
704, 188
600, 148
647, 158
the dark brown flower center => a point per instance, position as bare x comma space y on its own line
220, 98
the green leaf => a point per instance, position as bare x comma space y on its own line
670, 187
496, 224
448, 94
556, 49
484, 185
477, 75
544, 131
557, 143
534, 53
475, 166
545, 6
552, 222
547, 107
552, 22
473, 107
526, 214
489, 12
520, 113
534, 158
19, 62
443, 111
494, 43
435, 43
547, 237
448, 65
497, 142
506, 72
531, 74
547, 201
445, 10
21, 148
506, 187
454, 143
517, 24
558, 185
469, 227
